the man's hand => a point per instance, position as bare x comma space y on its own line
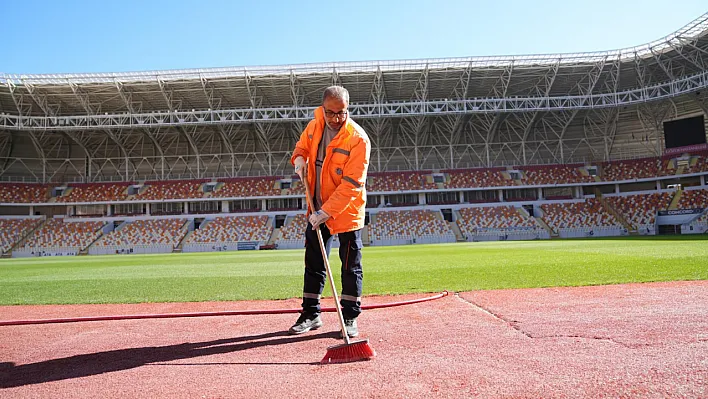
318, 218
301, 169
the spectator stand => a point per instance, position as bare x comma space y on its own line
409, 227
57, 237
229, 234
499, 223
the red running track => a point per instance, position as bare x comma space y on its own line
636, 340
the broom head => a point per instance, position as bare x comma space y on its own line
352, 352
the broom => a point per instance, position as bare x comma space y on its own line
349, 351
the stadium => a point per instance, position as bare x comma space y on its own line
158, 192
526, 147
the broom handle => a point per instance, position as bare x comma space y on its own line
337, 305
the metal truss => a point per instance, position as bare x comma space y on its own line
181, 119
419, 114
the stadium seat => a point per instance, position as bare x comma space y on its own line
632, 169
587, 214
176, 189
476, 178
12, 230
232, 229
146, 232
95, 192
501, 218
398, 181
394, 225
247, 187
57, 233
554, 174
691, 199
641, 209
21, 193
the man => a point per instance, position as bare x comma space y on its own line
332, 158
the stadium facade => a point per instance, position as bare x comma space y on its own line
427, 116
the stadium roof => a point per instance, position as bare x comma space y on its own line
420, 114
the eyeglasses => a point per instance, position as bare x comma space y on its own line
332, 114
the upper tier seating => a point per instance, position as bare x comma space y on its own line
177, 189
474, 178
554, 174
22, 193
146, 232
13, 230
589, 213
248, 187
96, 192
698, 163
632, 169
57, 233
232, 229
398, 181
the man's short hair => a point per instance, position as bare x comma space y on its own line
338, 92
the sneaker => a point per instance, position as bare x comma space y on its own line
305, 323
351, 327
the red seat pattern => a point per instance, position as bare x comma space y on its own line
474, 178
96, 192
162, 190
589, 213
407, 224
398, 181
248, 187
554, 174
146, 232
633, 169
57, 233
691, 199
493, 218
21, 193
232, 229
640, 209
13, 230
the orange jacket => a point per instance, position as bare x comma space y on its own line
343, 178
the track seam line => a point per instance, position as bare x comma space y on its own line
495, 316
513, 324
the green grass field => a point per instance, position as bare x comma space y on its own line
387, 270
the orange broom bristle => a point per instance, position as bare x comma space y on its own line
352, 352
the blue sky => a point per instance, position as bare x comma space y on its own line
67, 36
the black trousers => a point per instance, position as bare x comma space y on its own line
315, 274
